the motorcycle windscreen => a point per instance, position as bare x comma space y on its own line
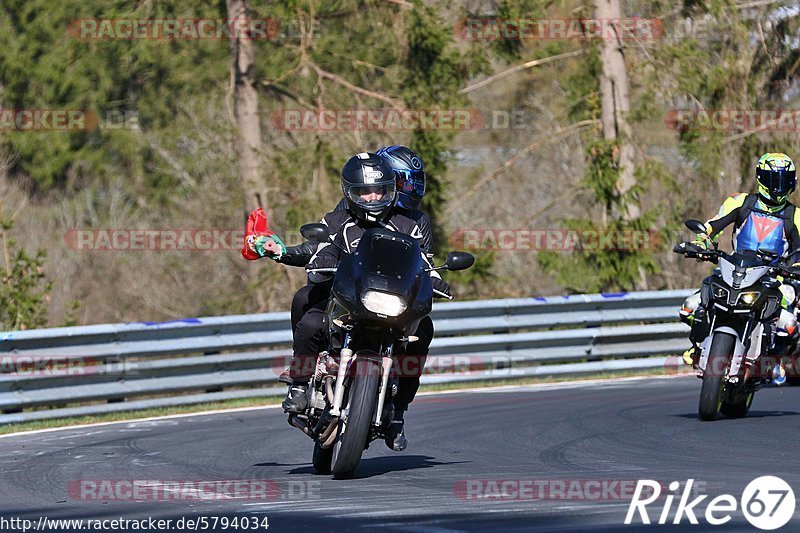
389, 254
384, 261
387, 261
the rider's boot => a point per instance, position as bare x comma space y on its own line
690, 356
694, 314
296, 400
395, 435
779, 374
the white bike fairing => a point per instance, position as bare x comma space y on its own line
752, 274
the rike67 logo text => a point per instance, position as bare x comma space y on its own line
767, 503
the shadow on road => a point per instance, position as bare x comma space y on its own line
374, 466
751, 414
279, 464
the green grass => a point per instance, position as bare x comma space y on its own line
272, 400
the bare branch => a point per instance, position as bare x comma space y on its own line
360, 90
539, 143
566, 195
758, 4
288, 93
766, 125
512, 70
185, 177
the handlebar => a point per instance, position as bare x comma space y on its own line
790, 272
713, 256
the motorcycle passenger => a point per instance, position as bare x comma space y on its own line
767, 221
369, 187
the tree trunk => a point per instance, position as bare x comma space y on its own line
248, 147
615, 100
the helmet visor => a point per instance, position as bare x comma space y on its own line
372, 197
411, 182
778, 182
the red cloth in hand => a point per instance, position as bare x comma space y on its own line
256, 226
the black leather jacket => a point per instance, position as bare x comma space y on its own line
301, 254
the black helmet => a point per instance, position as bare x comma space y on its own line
368, 184
409, 173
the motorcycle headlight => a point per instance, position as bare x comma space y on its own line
748, 298
383, 303
720, 293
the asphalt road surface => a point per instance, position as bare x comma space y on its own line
562, 457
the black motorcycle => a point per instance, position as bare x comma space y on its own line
379, 295
740, 304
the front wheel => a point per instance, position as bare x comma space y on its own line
356, 418
719, 356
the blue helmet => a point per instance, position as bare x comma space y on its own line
409, 173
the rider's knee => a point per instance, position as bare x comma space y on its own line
689, 306
787, 323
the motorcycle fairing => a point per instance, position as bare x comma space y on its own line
738, 350
741, 276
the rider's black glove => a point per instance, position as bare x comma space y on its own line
441, 288
323, 261
690, 247
298, 255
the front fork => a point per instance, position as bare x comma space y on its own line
386, 369
345, 357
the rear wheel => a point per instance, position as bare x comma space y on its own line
322, 459
356, 418
739, 408
719, 355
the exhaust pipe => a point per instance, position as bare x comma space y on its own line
328, 437
329, 388
299, 423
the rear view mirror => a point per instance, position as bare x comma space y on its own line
695, 225
459, 260
315, 232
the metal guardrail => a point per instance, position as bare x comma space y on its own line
157, 364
